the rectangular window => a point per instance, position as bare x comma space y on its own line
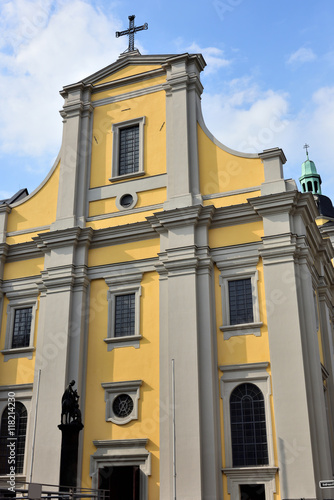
128, 150
124, 315
240, 301
22, 327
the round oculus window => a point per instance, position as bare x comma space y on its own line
122, 405
126, 200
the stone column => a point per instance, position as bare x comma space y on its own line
60, 351
183, 90
73, 180
187, 335
292, 424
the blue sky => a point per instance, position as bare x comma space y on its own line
269, 79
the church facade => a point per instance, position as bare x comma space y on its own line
186, 288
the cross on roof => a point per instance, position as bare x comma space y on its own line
306, 146
131, 32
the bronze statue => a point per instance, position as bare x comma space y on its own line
70, 411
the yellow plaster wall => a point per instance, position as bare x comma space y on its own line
145, 198
122, 219
236, 235
18, 370
222, 172
40, 210
125, 252
128, 71
124, 364
116, 91
151, 106
227, 201
23, 268
23, 238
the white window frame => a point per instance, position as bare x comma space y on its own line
20, 300
23, 394
123, 285
114, 389
122, 452
116, 127
234, 375
233, 271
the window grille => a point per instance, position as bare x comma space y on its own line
22, 326
248, 426
240, 301
18, 438
128, 150
124, 315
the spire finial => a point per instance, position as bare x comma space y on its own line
306, 146
131, 32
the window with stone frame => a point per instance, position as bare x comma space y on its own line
240, 301
124, 310
128, 149
21, 321
22, 327
248, 426
125, 314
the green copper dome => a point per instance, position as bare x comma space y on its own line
310, 180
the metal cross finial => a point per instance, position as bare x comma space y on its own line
131, 32
306, 146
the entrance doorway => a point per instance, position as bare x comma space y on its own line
120, 482
252, 492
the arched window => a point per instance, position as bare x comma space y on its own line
309, 186
13, 431
248, 426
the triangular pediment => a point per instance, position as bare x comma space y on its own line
129, 65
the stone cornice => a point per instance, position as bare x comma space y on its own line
274, 203
4, 250
198, 59
5, 209
122, 234
107, 271
63, 238
177, 217
273, 153
235, 214
23, 251
21, 284
235, 256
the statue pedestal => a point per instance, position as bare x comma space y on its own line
69, 454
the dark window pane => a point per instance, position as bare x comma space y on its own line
128, 150
22, 324
15, 430
240, 301
248, 426
124, 315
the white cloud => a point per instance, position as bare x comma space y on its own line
302, 55
213, 56
43, 49
246, 118
249, 119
